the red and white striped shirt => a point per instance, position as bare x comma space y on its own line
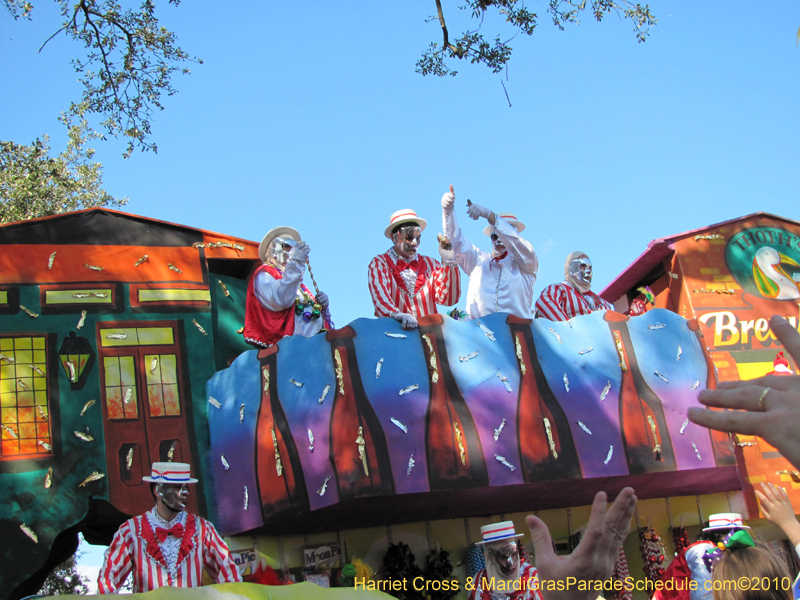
434, 285
561, 302
136, 548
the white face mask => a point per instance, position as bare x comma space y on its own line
581, 269
406, 240
497, 245
174, 497
280, 248
502, 561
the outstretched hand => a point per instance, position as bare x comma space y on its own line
769, 406
777, 508
475, 211
594, 558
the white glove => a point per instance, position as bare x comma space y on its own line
476, 210
407, 321
449, 201
300, 252
322, 299
448, 254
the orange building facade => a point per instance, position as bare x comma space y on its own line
732, 277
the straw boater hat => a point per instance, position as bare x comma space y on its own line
497, 532
511, 218
273, 233
725, 521
405, 215
173, 473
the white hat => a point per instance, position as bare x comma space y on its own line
511, 218
273, 233
725, 521
173, 473
497, 532
405, 215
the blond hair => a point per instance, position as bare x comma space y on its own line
758, 566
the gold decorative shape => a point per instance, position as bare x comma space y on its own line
549, 431
339, 371
362, 449
518, 348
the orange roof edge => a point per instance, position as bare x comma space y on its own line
658, 250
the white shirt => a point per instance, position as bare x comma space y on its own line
504, 285
280, 294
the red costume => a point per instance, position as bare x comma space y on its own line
561, 302
165, 556
266, 327
433, 284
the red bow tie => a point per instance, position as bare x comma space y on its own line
501, 257
403, 265
162, 534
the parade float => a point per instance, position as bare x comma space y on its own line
121, 345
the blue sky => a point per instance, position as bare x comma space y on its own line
314, 117
311, 115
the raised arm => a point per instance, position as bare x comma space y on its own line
466, 254
519, 248
279, 294
446, 283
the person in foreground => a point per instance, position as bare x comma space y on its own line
737, 561
594, 558
166, 546
768, 407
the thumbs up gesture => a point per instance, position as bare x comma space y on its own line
449, 201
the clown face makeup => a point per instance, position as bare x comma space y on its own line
174, 497
581, 269
497, 245
502, 560
280, 249
406, 240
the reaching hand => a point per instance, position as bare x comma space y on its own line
769, 406
777, 508
474, 211
323, 300
300, 252
448, 201
594, 558
407, 321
